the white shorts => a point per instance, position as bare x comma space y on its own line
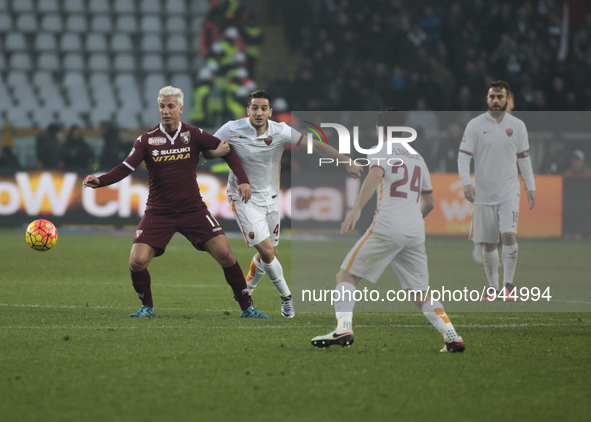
489, 220
257, 222
406, 255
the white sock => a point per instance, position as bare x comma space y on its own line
344, 306
255, 274
509, 263
439, 319
275, 272
491, 267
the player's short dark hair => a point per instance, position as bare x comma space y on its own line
390, 116
259, 93
499, 85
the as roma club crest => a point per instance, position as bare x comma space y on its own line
186, 137
509, 132
138, 233
251, 235
268, 140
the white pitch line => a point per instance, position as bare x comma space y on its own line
265, 327
110, 283
115, 307
197, 310
572, 301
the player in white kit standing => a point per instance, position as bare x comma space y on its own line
396, 238
259, 143
498, 142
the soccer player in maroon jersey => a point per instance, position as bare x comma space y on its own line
171, 153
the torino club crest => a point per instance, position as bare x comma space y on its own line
186, 137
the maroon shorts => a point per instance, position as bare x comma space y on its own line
197, 226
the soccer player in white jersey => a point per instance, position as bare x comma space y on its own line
259, 143
396, 237
477, 252
498, 142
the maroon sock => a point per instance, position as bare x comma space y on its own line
141, 283
236, 280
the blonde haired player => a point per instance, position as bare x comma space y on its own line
170, 151
498, 142
396, 238
259, 143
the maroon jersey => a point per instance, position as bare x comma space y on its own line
171, 162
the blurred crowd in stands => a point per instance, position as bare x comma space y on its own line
436, 55
229, 46
416, 55
441, 55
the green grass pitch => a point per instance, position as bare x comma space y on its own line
69, 352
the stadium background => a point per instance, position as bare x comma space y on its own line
98, 65
68, 351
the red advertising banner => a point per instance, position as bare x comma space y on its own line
60, 196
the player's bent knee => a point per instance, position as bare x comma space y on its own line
346, 277
137, 265
267, 254
225, 257
490, 247
509, 238
140, 257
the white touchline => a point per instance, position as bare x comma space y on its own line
264, 327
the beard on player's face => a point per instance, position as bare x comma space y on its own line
498, 107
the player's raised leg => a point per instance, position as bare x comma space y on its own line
254, 221
140, 257
344, 304
255, 272
433, 310
410, 265
219, 248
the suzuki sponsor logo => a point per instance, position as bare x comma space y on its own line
171, 154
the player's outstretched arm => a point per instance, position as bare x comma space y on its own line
236, 166
90, 181
368, 188
329, 152
120, 172
222, 149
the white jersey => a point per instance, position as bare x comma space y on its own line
495, 148
260, 156
399, 193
